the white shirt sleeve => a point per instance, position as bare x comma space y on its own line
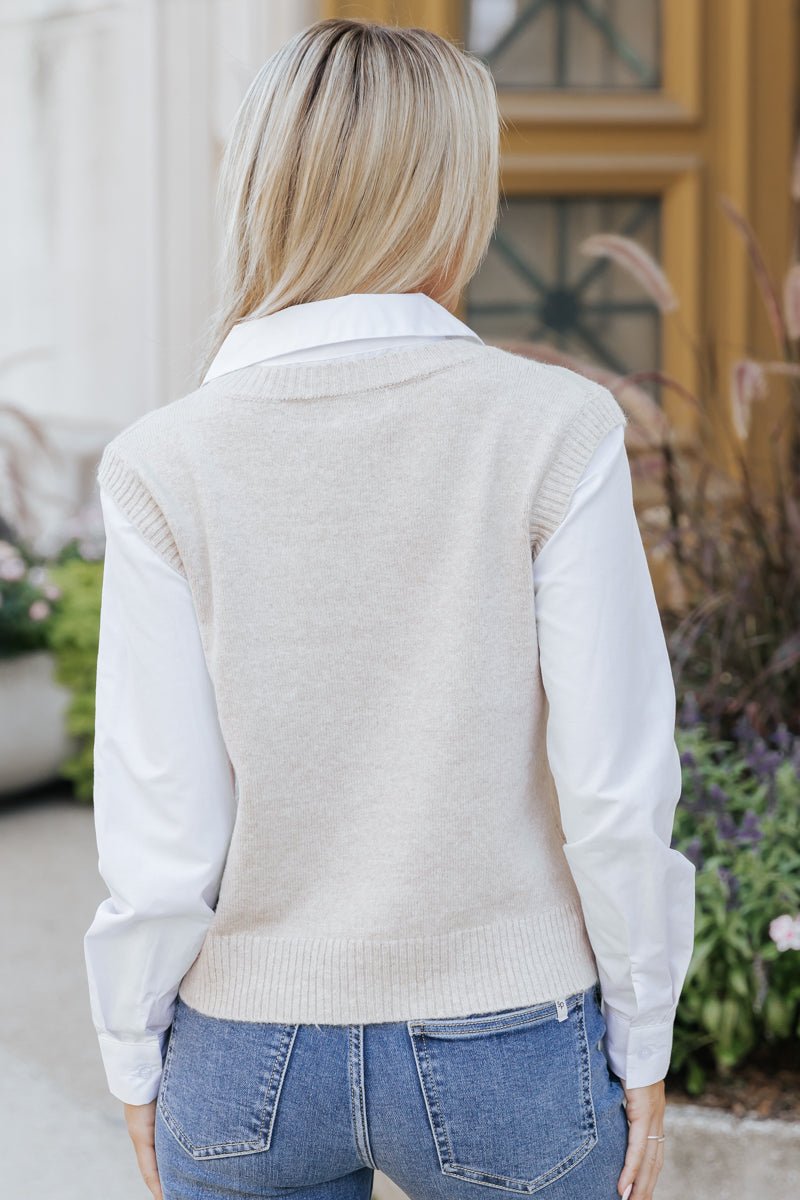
612, 751
164, 805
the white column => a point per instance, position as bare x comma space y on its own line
114, 118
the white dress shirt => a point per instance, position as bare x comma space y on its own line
164, 787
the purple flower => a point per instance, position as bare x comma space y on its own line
694, 852
744, 730
762, 761
690, 712
783, 739
717, 795
726, 827
750, 829
731, 883
688, 759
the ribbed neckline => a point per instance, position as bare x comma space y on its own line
317, 378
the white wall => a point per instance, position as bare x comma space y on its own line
114, 115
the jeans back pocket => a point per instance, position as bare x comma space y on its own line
221, 1082
508, 1094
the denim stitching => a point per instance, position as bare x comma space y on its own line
589, 1114
279, 1067
439, 1129
162, 1100
357, 1097
489, 1022
363, 1095
352, 1073
432, 1102
219, 1149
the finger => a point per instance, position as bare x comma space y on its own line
148, 1168
634, 1155
648, 1172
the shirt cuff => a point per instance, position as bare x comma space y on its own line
638, 1054
133, 1069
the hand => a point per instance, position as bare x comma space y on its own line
644, 1159
141, 1122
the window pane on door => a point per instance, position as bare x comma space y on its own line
567, 43
535, 285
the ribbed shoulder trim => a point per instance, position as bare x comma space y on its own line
124, 484
600, 413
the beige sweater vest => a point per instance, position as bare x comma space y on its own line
357, 535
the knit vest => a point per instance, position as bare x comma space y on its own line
357, 535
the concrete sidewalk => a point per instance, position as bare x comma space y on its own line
62, 1133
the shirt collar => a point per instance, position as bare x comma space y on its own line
354, 317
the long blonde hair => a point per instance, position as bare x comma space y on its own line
363, 158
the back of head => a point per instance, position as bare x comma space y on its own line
363, 158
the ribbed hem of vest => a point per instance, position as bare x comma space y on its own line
126, 488
341, 980
601, 413
318, 378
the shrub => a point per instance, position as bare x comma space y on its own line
29, 599
28, 595
739, 823
73, 640
733, 615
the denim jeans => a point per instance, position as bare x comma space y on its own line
520, 1101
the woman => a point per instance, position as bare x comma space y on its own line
384, 764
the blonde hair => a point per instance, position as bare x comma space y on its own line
363, 158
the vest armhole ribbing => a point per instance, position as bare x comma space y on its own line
124, 484
597, 417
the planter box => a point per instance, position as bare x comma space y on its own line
33, 737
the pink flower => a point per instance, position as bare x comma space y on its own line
12, 567
51, 591
785, 931
39, 610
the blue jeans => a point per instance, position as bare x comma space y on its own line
519, 1101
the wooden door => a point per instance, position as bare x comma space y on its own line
635, 117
